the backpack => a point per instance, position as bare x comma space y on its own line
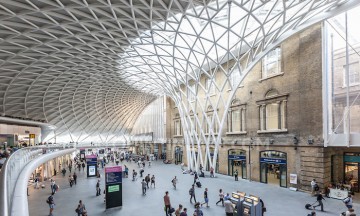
49, 200
191, 191
316, 188
346, 200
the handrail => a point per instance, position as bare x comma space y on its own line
19, 196
11, 170
17, 161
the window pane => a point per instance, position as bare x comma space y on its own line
272, 116
271, 63
235, 119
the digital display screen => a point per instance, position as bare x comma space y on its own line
113, 177
92, 170
113, 188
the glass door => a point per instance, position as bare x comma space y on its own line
283, 175
263, 172
231, 167
243, 169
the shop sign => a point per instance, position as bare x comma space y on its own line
272, 160
32, 136
354, 159
293, 179
237, 157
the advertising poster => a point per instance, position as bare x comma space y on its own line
92, 170
293, 179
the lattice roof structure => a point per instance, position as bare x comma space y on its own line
90, 67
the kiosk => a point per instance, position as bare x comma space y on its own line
249, 206
236, 199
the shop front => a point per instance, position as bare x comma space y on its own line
273, 167
237, 161
351, 170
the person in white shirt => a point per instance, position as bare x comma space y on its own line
313, 185
229, 209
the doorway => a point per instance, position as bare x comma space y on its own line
237, 161
273, 168
178, 155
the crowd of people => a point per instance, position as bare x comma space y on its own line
319, 196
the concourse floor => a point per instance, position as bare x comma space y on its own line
278, 201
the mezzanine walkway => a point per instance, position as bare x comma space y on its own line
278, 201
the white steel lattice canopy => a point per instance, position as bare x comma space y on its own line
91, 66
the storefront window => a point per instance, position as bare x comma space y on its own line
273, 168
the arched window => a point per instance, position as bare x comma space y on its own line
272, 112
236, 117
193, 122
177, 125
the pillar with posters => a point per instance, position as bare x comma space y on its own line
113, 186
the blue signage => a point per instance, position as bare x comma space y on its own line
350, 158
236, 157
272, 160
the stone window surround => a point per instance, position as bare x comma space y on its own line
280, 98
236, 106
210, 109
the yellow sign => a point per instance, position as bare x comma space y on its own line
32, 136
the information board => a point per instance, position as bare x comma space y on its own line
113, 181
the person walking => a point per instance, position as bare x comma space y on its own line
98, 191
236, 175
178, 211
71, 180
348, 201
126, 172
75, 177
51, 203
212, 172
52, 186
36, 186
227, 197
319, 199
184, 213
229, 208
313, 186
83, 166
206, 198
192, 193
174, 181
81, 208
198, 211
147, 180
167, 203
195, 177
221, 197
134, 175
143, 184
152, 180
63, 171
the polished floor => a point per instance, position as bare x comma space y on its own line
278, 201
